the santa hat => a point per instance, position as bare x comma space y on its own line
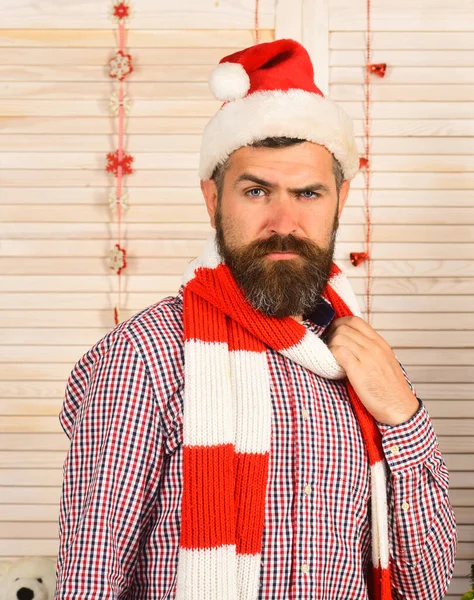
269, 91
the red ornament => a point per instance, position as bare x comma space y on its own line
113, 163
117, 259
358, 257
378, 69
121, 10
120, 66
363, 162
116, 316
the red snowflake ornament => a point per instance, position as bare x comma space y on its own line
120, 11
378, 69
117, 259
113, 163
358, 257
120, 66
363, 162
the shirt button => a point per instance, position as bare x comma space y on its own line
305, 414
304, 568
308, 489
395, 450
405, 506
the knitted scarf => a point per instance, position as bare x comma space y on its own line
226, 429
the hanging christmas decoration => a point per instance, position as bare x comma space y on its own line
379, 69
116, 162
357, 258
256, 24
119, 163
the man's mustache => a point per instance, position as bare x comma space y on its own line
287, 243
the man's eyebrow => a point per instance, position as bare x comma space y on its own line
254, 179
313, 187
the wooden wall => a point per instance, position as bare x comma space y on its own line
57, 294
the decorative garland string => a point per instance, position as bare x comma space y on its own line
119, 163
257, 27
359, 257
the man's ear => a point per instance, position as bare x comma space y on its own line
209, 191
343, 194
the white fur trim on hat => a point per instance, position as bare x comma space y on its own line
229, 81
293, 113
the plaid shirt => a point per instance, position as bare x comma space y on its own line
120, 506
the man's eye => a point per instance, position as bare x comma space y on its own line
309, 194
255, 192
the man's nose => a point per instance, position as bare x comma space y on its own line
282, 219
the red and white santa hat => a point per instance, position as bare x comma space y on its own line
269, 91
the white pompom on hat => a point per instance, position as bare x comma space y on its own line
268, 90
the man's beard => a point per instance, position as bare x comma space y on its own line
279, 288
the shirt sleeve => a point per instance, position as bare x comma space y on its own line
111, 473
422, 524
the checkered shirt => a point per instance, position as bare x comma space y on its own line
121, 497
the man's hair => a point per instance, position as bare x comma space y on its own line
273, 142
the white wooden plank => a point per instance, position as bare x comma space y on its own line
89, 142
456, 444
141, 108
409, 40
394, 92
399, 75
158, 282
421, 372
147, 57
461, 498
71, 91
433, 356
30, 530
464, 479
32, 441
190, 160
46, 336
87, 14
187, 178
433, 339
136, 38
204, 108
397, 198
197, 214
459, 462
24, 389
22, 423
420, 321
136, 302
104, 318
31, 460
40, 407
443, 408
195, 125
351, 17
31, 477
98, 73
14, 547
29, 495
446, 391
395, 58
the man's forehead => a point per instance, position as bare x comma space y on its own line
280, 168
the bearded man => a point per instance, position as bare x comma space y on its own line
253, 437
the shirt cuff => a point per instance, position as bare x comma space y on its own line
409, 444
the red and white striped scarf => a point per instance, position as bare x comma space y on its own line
226, 428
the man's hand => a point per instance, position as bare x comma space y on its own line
372, 369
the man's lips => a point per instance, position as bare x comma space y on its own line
282, 255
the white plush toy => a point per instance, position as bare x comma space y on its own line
32, 578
